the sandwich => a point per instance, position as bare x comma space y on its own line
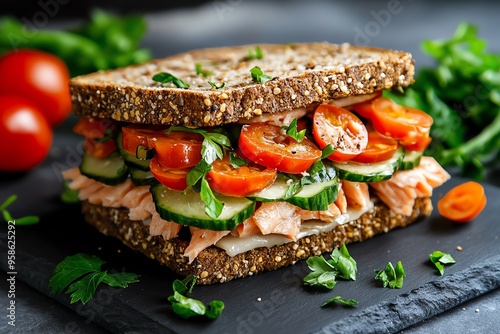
228, 162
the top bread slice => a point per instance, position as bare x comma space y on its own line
303, 74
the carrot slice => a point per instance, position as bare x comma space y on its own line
463, 202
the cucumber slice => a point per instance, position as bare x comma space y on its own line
370, 172
130, 159
313, 196
411, 159
316, 196
110, 170
141, 178
187, 208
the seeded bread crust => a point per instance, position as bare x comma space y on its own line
303, 74
213, 265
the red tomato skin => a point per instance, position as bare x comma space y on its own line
265, 145
340, 128
178, 149
241, 181
40, 77
25, 133
175, 179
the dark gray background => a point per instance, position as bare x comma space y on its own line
175, 27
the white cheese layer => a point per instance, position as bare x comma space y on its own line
234, 245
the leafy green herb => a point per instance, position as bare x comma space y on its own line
165, 77
236, 161
317, 173
255, 53
462, 94
338, 299
199, 70
390, 276
213, 84
186, 307
327, 151
325, 272
344, 263
440, 259
105, 41
259, 76
26, 220
81, 274
69, 195
292, 131
214, 146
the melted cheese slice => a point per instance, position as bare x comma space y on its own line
234, 245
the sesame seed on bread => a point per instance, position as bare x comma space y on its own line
214, 265
303, 74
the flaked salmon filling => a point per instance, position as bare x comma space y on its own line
274, 218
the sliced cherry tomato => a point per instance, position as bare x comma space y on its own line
99, 135
172, 178
420, 142
178, 149
99, 149
379, 148
340, 128
240, 181
399, 122
134, 135
463, 202
40, 77
365, 108
266, 145
25, 134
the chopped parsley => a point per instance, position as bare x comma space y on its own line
325, 272
165, 77
69, 195
259, 76
440, 259
293, 132
214, 85
338, 299
199, 70
390, 276
214, 146
26, 220
235, 161
255, 53
186, 307
81, 274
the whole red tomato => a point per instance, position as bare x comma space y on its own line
25, 134
40, 77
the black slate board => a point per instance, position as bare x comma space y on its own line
285, 305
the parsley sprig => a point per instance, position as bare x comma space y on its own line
293, 132
199, 70
255, 53
81, 274
214, 146
340, 300
318, 172
26, 220
440, 259
165, 77
259, 76
186, 307
325, 272
390, 276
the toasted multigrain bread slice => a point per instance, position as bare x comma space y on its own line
303, 74
214, 265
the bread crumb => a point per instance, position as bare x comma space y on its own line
277, 258
259, 299
204, 274
477, 310
459, 248
207, 102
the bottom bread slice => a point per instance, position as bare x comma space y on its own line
214, 265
